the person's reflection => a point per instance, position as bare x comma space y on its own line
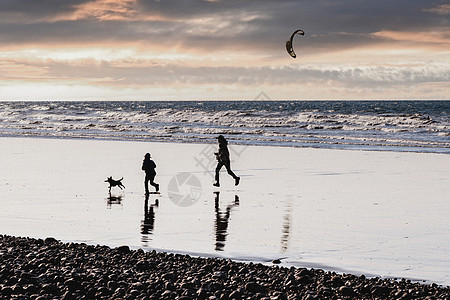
221, 224
286, 226
147, 225
286, 232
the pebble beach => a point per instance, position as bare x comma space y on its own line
49, 269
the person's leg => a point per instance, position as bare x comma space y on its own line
147, 178
227, 165
152, 178
236, 178
219, 166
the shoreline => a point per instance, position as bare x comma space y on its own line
46, 268
389, 148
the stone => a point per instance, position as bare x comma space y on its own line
38, 269
346, 291
50, 240
219, 275
254, 287
123, 249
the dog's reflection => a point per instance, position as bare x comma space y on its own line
113, 200
221, 224
148, 224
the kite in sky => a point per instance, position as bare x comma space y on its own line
289, 46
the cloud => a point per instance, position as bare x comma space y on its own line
143, 73
437, 39
32, 12
137, 43
102, 10
158, 81
251, 27
442, 9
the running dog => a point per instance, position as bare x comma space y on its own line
113, 183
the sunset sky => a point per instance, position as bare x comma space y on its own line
224, 49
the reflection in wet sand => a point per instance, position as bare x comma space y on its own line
113, 200
148, 224
221, 224
287, 220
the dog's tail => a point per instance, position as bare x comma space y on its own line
120, 179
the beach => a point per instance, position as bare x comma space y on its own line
224, 150
48, 269
381, 214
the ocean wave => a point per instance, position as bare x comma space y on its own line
396, 126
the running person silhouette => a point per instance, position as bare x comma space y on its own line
149, 166
223, 159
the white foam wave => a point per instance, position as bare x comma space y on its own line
252, 126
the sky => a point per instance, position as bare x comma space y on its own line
224, 50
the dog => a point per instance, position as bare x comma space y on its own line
113, 183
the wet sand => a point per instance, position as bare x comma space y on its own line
382, 214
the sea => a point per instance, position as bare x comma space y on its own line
412, 126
